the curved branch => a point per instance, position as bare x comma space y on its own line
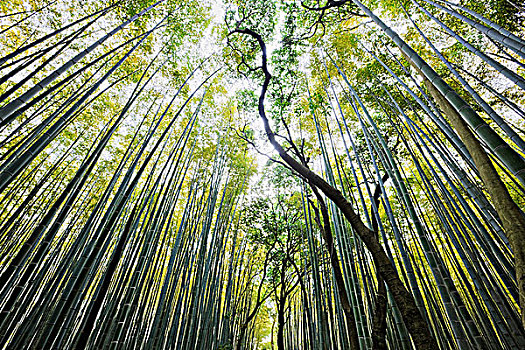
329, 4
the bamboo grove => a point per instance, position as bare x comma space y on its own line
262, 174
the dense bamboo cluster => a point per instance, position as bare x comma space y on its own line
129, 217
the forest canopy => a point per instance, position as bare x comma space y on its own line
262, 174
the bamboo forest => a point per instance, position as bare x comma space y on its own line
262, 174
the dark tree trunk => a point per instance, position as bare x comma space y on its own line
379, 317
281, 306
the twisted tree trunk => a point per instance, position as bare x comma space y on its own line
413, 319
